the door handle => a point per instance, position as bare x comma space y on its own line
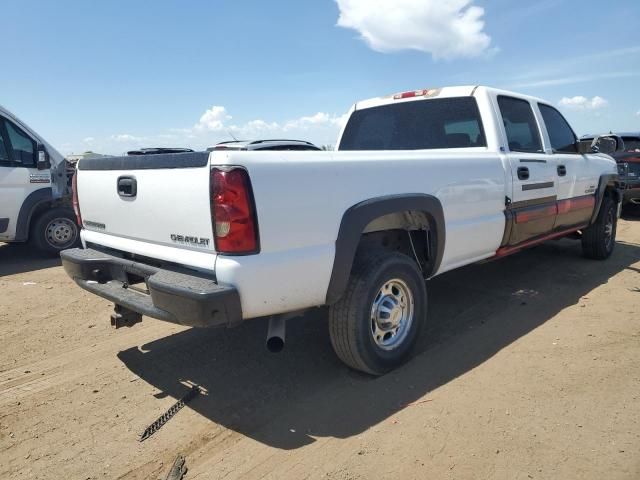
523, 173
562, 170
127, 186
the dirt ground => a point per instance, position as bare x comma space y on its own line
530, 368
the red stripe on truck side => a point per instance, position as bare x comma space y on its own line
577, 203
536, 213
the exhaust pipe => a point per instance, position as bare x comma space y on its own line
275, 333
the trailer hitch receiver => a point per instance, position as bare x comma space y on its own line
123, 317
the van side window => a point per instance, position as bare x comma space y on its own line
560, 133
520, 125
4, 149
22, 146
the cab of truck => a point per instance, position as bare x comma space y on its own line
35, 189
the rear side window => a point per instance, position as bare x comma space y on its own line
560, 133
416, 125
520, 125
22, 146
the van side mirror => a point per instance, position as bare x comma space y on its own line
608, 144
43, 162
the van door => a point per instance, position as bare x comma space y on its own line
531, 209
19, 176
576, 186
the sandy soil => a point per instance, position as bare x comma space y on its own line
530, 368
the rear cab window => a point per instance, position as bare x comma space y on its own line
520, 125
416, 125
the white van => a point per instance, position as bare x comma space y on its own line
35, 189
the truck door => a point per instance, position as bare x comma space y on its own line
19, 176
531, 209
576, 183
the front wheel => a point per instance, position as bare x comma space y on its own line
55, 230
376, 323
599, 239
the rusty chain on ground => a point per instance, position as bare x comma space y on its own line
166, 416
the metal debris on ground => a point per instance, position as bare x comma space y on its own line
178, 469
166, 416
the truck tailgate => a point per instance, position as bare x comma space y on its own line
159, 200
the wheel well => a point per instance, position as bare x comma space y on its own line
40, 209
405, 222
408, 232
613, 192
608, 186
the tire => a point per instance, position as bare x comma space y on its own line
361, 326
55, 230
599, 240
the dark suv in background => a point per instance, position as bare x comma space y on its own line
628, 166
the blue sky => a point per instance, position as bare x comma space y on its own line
112, 75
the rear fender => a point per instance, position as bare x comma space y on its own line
356, 219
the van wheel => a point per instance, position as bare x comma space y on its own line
376, 323
55, 230
599, 239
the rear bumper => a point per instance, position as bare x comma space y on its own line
186, 299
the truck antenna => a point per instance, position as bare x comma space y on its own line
232, 135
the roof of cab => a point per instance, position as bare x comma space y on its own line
441, 92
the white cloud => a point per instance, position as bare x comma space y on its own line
638, 113
125, 138
319, 119
444, 28
213, 119
88, 140
583, 103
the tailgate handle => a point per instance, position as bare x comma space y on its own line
127, 186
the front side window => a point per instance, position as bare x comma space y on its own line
520, 125
23, 148
4, 148
416, 125
560, 133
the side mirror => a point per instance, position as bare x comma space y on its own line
608, 144
43, 158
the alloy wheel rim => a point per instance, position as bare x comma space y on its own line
608, 230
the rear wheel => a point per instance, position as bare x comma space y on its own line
55, 230
599, 239
374, 326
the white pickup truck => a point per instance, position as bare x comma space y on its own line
423, 182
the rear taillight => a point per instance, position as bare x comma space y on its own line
233, 214
74, 198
